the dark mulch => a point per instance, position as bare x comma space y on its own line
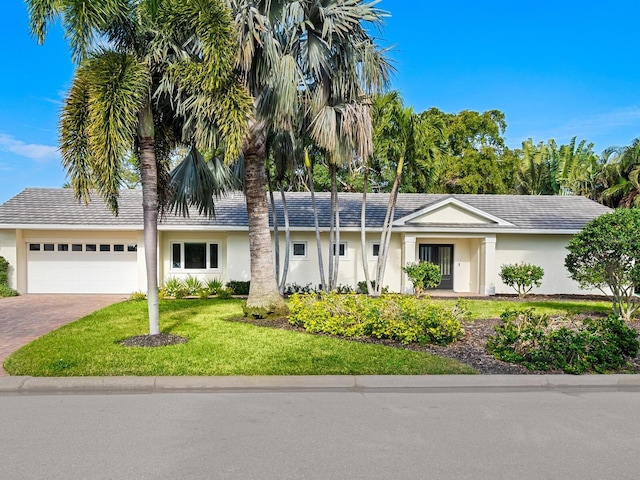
160, 340
471, 349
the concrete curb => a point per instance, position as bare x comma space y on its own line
348, 383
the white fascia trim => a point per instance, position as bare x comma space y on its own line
483, 231
453, 201
110, 228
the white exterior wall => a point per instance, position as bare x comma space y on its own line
304, 271
166, 271
546, 251
238, 258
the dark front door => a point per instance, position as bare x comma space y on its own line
441, 255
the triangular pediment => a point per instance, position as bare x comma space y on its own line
451, 212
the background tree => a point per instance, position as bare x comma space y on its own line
151, 75
606, 255
620, 176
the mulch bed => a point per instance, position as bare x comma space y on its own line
160, 340
471, 349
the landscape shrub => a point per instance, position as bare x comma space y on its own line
5, 290
522, 277
174, 287
391, 316
239, 287
291, 288
362, 287
193, 285
574, 346
225, 293
423, 275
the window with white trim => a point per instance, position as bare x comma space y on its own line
342, 249
299, 249
375, 249
195, 256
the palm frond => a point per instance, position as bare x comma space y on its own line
197, 183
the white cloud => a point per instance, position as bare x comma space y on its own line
34, 151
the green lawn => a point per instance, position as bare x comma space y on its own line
483, 309
217, 346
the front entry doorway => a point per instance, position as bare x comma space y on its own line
441, 255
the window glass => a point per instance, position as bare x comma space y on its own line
195, 255
118, 248
76, 247
90, 247
342, 250
176, 257
213, 255
376, 249
132, 248
299, 249
49, 247
105, 248
34, 247
63, 247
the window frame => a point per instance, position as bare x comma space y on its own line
182, 268
344, 254
306, 249
372, 254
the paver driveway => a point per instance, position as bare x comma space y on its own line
27, 317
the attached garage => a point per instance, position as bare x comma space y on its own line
81, 267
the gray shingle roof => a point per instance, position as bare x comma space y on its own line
50, 206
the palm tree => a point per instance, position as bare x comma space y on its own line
310, 58
152, 74
535, 172
621, 176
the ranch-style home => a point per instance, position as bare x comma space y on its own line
56, 245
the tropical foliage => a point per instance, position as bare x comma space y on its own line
152, 75
605, 255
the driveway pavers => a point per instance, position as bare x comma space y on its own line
27, 317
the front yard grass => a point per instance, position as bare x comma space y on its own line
217, 346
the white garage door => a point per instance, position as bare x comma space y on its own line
81, 268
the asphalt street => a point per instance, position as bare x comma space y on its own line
403, 434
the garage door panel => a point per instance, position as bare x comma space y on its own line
81, 272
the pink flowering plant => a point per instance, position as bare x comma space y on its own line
522, 277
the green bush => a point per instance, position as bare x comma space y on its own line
4, 271
291, 288
239, 287
174, 287
521, 277
193, 285
225, 293
540, 343
391, 316
423, 275
5, 290
362, 287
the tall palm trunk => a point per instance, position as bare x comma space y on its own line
307, 162
385, 237
276, 229
287, 236
149, 180
363, 230
264, 298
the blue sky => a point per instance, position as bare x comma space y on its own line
557, 69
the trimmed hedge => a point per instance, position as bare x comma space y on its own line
391, 316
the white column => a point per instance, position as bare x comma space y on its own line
408, 256
488, 256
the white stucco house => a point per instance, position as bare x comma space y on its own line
56, 245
